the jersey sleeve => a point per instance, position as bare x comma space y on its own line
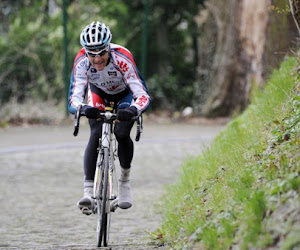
132, 78
78, 82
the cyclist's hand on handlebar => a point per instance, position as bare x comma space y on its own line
90, 112
127, 113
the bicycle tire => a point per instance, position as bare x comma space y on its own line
109, 196
98, 187
103, 215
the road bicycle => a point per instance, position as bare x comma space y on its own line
105, 191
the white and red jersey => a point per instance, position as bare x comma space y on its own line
120, 73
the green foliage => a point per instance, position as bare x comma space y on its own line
31, 46
31, 65
31, 56
254, 212
169, 95
241, 190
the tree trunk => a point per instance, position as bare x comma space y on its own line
238, 61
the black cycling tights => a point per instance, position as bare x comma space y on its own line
125, 146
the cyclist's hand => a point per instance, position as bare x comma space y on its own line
90, 112
127, 113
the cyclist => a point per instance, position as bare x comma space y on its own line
107, 73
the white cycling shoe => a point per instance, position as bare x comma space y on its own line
125, 196
86, 203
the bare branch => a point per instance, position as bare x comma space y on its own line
293, 6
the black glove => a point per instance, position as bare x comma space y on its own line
90, 112
127, 113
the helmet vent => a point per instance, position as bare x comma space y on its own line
95, 36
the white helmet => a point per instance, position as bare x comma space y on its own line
95, 36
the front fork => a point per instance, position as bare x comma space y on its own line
106, 140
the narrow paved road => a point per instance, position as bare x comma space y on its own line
42, 179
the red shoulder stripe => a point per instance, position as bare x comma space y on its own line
80, 54
127, 54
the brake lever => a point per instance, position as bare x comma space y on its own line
77, 120
139, 128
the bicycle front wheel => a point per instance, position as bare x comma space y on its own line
102, 211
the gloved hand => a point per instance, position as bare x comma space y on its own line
90, 112
127, 113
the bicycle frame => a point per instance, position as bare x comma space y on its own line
105, 141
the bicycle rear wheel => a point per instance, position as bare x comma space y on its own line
102, 199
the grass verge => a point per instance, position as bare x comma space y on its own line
243, 191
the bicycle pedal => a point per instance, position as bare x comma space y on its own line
114, 205
86, 211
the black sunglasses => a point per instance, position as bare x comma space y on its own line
99, 53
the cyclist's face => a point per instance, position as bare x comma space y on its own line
99, 61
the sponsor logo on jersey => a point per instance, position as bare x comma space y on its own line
110, 83
131, 76
82, 64
101, 105
142, 100
112, 73
95, 77
123, 66
113, 88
